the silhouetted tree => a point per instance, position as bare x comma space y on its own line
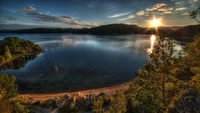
194, 14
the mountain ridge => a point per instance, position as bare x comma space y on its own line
183, 33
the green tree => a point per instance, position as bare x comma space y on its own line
8, 92
7, 53
162, 61
154, 88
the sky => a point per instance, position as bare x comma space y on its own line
24, 14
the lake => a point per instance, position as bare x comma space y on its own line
74, 62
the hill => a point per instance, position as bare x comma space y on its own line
185, 33
116, 29
44, 30
110, 29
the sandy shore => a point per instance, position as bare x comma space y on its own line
106, 90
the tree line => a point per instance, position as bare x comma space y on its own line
11, 46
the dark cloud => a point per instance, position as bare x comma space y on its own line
39, 17
12, 18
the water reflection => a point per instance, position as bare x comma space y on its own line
74, 62
17, 63
152, 39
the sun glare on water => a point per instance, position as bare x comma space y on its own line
153, 38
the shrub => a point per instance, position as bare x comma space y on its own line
2, 59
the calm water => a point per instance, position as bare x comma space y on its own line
74, 62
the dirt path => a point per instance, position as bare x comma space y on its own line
107, 90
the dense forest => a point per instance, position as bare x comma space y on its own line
11, 47
162, 86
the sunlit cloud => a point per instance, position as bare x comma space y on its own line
127, 18
156, 7
160, 5
165, 9
140, 13
118, 15
181, 8
151, 9
167, 12
89, 24
30, 8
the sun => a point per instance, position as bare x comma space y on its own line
155, 22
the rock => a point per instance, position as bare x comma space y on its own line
188, 103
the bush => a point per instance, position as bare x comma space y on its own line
7, 53
2, 59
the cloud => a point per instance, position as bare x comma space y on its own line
167, 12
1, 22
177, 2
91, 5
30, 8
156, 6
151, 9
88, 24
127, 18
140, 13
180, 9
165, 9
39, 17
185, 14
193, 1
12, 18
160, 5
118, 15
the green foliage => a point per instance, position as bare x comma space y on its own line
99, 104
7, 53
72, 107
17, 45
8, 92
8, 85
159, 86
195, 84
44, 104
2, 59
110, 104
118, 103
